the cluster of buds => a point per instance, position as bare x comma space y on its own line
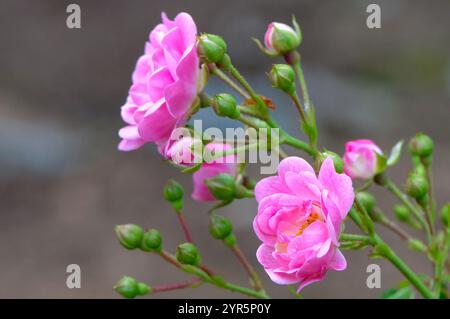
132, 236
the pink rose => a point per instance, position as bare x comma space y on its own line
225, 164
164, 85
360, 159
299, 219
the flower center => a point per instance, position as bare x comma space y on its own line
315, 215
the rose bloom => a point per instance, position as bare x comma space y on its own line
360, 158
299, 219
227, 164
164, 85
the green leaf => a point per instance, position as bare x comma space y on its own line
381, 163
402, 293
192, 169
395, 154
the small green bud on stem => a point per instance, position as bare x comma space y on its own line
187, 254
173, 193
152, 241
421, 145
130, 235
220, 227
222, 186
282, 76
129, 287
211, 48
225, 105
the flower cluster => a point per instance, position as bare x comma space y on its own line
302, 209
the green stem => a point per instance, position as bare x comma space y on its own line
301, 78
404, 199
430, 213
262, 108
352, 237
248, 267
299, 106
226, 79
440, 263
294, 142
206, 278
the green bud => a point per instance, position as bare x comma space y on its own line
152, 241
188, 254
445, 214
129, 287
282, 77
402, 213
225, 104
173, 193
421, 145
417, 245
130, 235
416, 186
337, 160
211, 47
222, 186
282, 38
220, 227
367, 200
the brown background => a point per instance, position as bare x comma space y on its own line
63, 184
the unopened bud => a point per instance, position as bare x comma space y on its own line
222, 186
402, 213
211, 47
152, 241
416, 186
421, 145
220, 227
188, 254
282, 76
130, 235
173, 193
225, 104
281, 38
129, 287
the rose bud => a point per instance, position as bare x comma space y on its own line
129, 287
281, 38
222, 186
402, 213
211, 47
362, 159
152, 241
130, 235
421, 145
173, 193
416, 186
187, 254
282, 76
367, 200
220, 227
225, 105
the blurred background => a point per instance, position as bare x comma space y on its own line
64, 185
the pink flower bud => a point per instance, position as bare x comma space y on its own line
281, 38
361, 159
299, 220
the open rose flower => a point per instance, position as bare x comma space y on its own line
209, 170
299, 219
360, 159
164, 85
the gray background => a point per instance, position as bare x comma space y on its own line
63, 184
